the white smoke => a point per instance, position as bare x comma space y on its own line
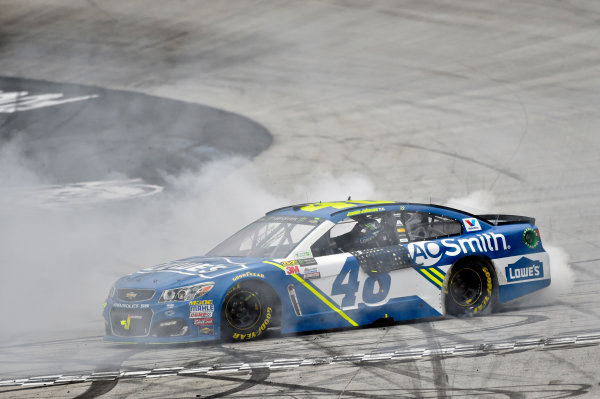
477, 202
58, 263
14, 170
563, 276
563, 279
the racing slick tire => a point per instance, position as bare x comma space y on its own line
470, 290
248, 310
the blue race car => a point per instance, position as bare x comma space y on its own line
331, 265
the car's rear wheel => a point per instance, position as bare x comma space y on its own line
470, 289
248, 310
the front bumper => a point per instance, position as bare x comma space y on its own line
159, 322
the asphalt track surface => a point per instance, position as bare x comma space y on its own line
427, 100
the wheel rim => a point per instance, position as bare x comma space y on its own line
466, 287
243, 310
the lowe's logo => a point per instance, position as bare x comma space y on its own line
524, 269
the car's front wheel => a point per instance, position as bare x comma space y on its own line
248, 310
470, 289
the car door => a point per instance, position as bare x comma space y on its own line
387, 270
345, 253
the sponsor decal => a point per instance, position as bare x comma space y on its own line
524, 269
302, 255
309, 273
204, 322
340, 205
207, 331
200, 315
471, 224
131, 305
202, 302
16, 101
426, 253
307, 262
127, 322
286, 219
295, 269
202, 308
366, 210
429, 253
248, 274
307, 220
289, 263
531, 237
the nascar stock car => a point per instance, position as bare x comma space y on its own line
332, 265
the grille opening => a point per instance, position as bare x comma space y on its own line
170, 328
130, 322
134, 295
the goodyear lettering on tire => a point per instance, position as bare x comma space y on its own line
488, 295
260, 330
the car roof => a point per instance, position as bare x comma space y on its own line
338, 210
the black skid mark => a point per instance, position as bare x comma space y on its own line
98, 388
396, 369
245, 356
258, 376
292, 388
552, 391
500, 171
440, 377
462, 336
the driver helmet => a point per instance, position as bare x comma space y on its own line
369, 231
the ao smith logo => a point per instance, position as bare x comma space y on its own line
524, 269
428, 253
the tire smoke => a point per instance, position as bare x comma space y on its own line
563, 276
61, 257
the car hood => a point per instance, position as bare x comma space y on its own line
186, 271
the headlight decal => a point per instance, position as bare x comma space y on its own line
184, 294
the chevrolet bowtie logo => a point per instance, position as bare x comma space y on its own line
131, 295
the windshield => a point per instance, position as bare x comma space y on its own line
269, 237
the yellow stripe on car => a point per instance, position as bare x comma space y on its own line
340, 205
317, 294
431, 277
436, 271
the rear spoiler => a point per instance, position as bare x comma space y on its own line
497, 219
